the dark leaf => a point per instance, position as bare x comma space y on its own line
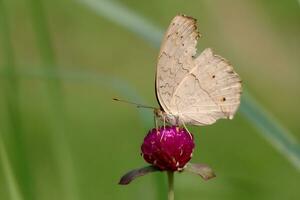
130, 176
202, 170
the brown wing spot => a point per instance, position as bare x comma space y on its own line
182, 44
213, 76
223, 99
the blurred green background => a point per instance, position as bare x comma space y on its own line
62, 61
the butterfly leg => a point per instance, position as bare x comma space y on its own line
187, 130
162, 135
155, 122
177, 121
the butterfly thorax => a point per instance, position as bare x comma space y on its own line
166, 117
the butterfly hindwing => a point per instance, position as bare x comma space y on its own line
210, 91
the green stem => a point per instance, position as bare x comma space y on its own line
171, 185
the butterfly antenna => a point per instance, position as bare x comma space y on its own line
133, 103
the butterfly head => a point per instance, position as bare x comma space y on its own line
167, 117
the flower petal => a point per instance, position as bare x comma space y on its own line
130, 176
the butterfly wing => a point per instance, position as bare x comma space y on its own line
197, 90
210, 91
175, 58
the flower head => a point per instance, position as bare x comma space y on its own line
168, 148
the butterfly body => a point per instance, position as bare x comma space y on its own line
193, 89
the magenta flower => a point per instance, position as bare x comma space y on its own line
168, 148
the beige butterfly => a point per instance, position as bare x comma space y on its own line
191, 89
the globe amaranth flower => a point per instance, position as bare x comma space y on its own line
168, 148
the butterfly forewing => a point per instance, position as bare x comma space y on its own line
196, 90
175, 58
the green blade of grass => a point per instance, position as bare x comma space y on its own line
9, 176
126, 18
269, 128
54, 88
103, 80
18, 151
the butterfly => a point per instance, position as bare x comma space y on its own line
190, 89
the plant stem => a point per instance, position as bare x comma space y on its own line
171, 185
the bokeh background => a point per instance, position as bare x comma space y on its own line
62, 61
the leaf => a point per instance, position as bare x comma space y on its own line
202, 170
130, 176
